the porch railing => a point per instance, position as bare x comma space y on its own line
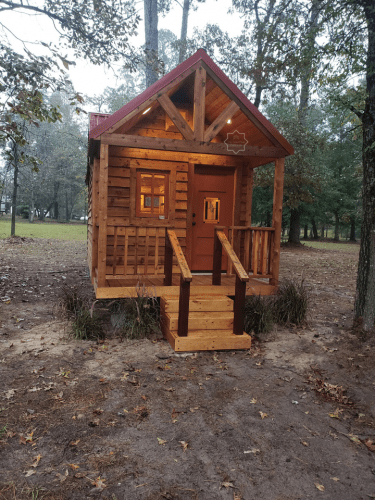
254, 245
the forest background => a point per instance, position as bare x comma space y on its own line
308, 65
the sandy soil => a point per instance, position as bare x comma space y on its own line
291, 419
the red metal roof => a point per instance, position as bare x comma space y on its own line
200, 55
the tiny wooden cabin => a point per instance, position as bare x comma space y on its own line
170, 192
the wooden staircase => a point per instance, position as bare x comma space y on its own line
210, 324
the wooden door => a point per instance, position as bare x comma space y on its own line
212, 205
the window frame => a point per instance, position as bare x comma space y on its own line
138, 211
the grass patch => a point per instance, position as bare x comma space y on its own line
3, 431
137, 317
70, 232
331, 245
258, 314
288, 307
85, 322
290, 304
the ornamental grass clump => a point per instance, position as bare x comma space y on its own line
85, 324
290, 303
258, 314
137, 317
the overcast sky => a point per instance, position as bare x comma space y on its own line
89, 79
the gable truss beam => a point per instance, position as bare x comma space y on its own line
220, 121
176, 117
216, 148
199, 103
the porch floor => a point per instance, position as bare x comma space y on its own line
201, 284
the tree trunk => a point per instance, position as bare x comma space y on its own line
322, 233
364, 306
305, 232
294, 228
151, 37
314, 230
67, 218
14, 195
337, 228
352, 229
184, 25
31, 204
268, 222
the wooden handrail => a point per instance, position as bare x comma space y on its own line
181, 261
240, 271
172, 246
242, 278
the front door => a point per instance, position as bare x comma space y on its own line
212, 205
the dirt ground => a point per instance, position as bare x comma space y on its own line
291, 419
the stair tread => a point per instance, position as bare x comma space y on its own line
204, 315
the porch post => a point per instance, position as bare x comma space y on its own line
103, 198
277, 218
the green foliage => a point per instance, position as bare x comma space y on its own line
258, 314
137, 317
98, 31
75, 306
3, 431
291, 303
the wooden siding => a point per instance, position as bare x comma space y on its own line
135, 245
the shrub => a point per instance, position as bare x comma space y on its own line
85, 323
258, 314
137, 317
290, 304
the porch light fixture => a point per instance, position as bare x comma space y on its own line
229, 121
147, 110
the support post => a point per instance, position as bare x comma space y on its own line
216, 270
239, 306
183, 308
277, 218
103, 198
168, 261
199, 103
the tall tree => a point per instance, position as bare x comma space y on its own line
151, 40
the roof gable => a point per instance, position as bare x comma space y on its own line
234, 102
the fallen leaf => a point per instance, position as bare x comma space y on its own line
63, 477
263, 415
320, 487
94, 423
29, 437
74, 443
184, 445
335, 479
36, 460
370, 444
22, 440
99, 483
334, 415
98, 411
74, 466
10, 394
227, 485
355, 439
236, 496
144, 398
30, 473
255, 451
161, 441
79, 475
305, 443
253, 401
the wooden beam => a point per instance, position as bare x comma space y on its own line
217, 148
220, 121
189, 215
95, 217
146, 104
277, 218
199, 103
176, 117
103, 197
244, 109
195, 158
